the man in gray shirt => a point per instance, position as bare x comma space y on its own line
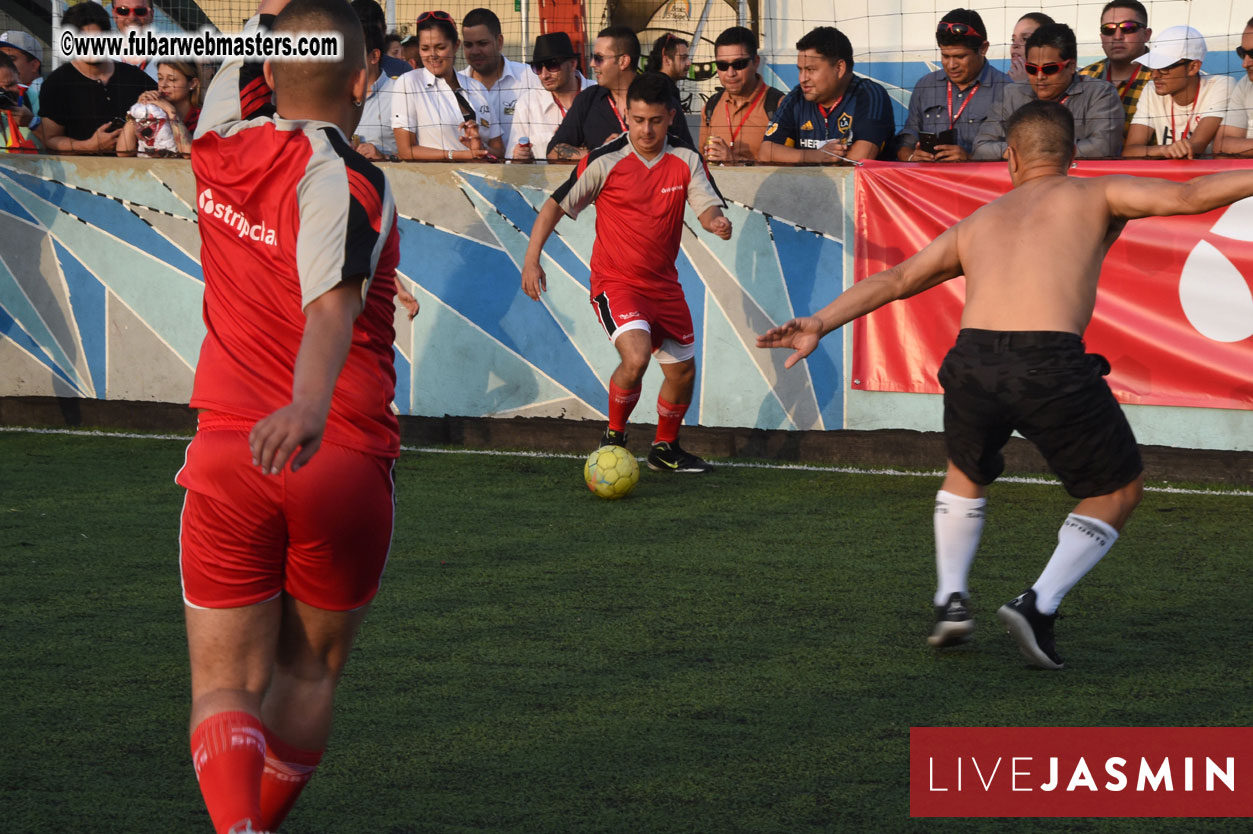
1051, 76
949, 105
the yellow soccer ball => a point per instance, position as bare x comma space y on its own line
611, 472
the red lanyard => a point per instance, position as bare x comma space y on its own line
1175, 137
952, 119
562, 110
614, 105
736, 131
826, 114
1125, 85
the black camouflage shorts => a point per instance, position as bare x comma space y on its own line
1045, 386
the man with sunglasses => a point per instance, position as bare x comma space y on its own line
502, 80
135, 14
832, 114
599, 112
539, 112
1125, 35
1234, 136
949, 105
1031, 261
735, 118
1050, 68
1182, 118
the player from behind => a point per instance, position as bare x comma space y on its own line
640, 184
1019, 361
287, 520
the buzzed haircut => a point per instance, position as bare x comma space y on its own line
320, 79
1040, 18
1134, 5
828, 42
87, 14
482, 17
1042, 129
650, 88
738, 36
624, 40
969, 17
1057, 35
665, 47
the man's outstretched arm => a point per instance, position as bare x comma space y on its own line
935, 264
1132, 197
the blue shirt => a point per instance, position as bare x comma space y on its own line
929, 108
864, 114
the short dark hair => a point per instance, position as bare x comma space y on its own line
625, 41
445, 26
828, 42
665, 47
390, 38
738, 36
969, 17
1040, 18
482, 17
1134, 5
86, 14
651, 88
373, 39
1042, 128
371, 15
1057, 35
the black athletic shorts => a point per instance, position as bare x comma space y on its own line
1044, 385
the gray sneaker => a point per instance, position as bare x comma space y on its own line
953, 623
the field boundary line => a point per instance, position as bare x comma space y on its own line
798, 467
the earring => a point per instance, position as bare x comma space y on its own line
357, 103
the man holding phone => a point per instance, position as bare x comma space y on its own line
950, 104
83, 104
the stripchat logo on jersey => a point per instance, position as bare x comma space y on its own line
235, 219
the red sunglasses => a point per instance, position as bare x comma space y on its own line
962, 30
425, 16
1045, 69
139, 11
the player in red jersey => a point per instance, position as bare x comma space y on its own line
640, 184
287, 520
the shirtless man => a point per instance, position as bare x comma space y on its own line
1019, 361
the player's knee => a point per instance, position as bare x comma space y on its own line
682, 373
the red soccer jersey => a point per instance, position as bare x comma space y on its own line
287, 210
639, 210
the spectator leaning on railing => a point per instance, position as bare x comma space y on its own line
1125, 36
375, 138
1180, 115
1235, 136
15, 136
27, 56
1050, 64
502, 80
539, 110
174, 104
949, 105
734, 120
84, 103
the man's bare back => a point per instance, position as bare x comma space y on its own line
1032, 257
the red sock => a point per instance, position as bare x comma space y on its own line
228, 752
287, 771
669, 416
621, 404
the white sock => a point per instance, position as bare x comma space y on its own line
958, 526
1081, 542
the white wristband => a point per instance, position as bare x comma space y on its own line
450, 156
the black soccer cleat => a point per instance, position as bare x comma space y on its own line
669, 457
1032, 630
613, 438
953, 623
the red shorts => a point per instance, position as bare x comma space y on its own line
668, 320
321, 534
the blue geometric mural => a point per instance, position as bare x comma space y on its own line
101, 289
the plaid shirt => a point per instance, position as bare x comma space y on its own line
1128, 91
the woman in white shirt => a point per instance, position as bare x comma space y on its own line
439, 113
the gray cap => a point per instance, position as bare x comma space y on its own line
24, 41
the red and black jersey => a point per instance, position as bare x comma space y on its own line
287, 211
639, 210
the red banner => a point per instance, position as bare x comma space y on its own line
1174, 312
1080, 772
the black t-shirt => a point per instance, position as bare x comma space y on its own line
592, 119
81, 104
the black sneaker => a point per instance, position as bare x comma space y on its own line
1032, 630
953, 623
669, 457
613, 438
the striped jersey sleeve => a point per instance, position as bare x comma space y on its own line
702, 191
238, 91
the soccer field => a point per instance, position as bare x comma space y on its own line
737, 653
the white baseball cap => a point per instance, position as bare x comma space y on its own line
1178, 43
24, 41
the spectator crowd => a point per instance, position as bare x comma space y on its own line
1148, 97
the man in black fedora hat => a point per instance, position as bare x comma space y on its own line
539, 110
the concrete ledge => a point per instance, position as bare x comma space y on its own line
871, 449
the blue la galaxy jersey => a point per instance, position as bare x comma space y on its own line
863, 114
